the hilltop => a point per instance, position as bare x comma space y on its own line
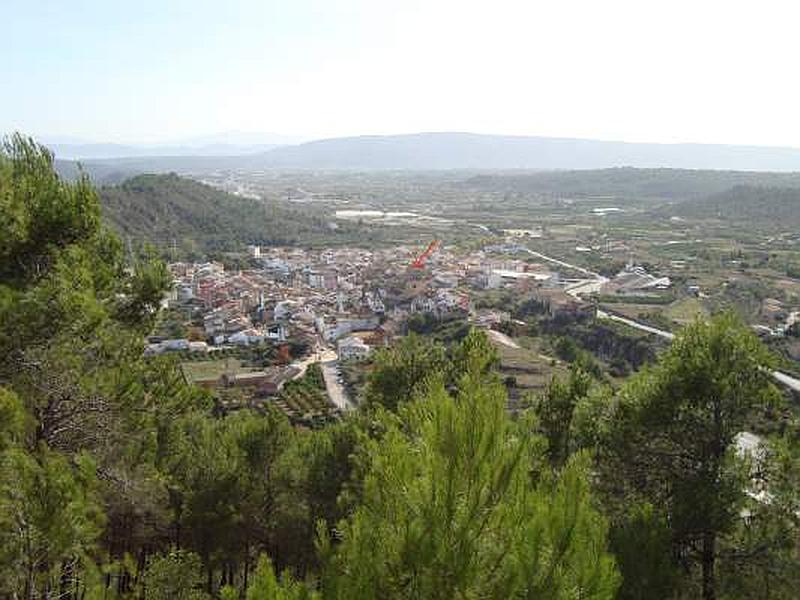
160, 208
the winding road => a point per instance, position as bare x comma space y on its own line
782, 378
598, 280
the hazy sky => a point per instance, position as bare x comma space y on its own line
146, 70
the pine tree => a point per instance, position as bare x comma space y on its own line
671, 440
449, 510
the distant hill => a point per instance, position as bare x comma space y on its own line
101, 173
160, 208
661, 184
114, 151
444, 151
749, 205
231, 143
473, 151
116, 170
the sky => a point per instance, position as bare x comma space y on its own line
164, 70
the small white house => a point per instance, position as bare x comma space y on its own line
198, 347
352, 348
246, 337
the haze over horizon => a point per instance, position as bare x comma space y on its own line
619, 70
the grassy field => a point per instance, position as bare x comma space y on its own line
213, 369
686, 310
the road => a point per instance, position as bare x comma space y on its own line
783, 378
589, 286
328, 362
601, 314
336, 391
787, 380
592, 274
502, 338
314, 357
598, 280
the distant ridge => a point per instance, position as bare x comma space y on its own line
476, 151
447, 151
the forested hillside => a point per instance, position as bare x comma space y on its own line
162, 208
631, 183
118, 480
776, 206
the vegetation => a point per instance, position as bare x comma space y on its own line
670, 443
771, 206
162, 208
304, 400
119, 480
628, 182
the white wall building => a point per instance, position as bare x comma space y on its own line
352, 348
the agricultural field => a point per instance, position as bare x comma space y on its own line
214, 369
305, 400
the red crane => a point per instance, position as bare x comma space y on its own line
419, 262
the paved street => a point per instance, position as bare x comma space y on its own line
336, 391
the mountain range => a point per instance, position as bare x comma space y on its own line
442, 151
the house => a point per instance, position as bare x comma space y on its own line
175, 345
330, 280
316, 279
352, 348
198, 347
446, 280
333, 329
184, 292
488, 318
488, 280
422, 304
246, 337
276, 332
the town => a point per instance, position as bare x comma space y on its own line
339, 305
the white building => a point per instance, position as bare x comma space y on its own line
246, 337
198, 347
334, 329
352, 348
284, 309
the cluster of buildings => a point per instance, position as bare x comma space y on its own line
347, 298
